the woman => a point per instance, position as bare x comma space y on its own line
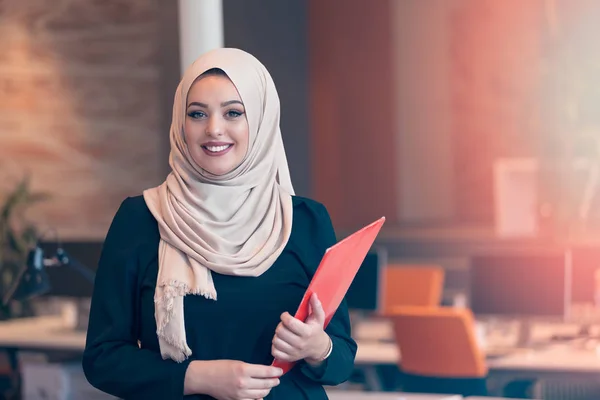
198, 277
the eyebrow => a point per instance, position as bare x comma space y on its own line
224, 104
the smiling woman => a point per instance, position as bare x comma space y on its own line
216, 129
204, 270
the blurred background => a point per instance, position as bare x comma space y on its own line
395, 108
473, 126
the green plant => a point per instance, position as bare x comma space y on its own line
17, 236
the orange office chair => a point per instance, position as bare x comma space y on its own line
439, 351
412, 285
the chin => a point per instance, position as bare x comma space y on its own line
217, 170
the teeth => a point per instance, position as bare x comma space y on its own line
216, 149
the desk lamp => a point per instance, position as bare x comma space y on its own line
33, 279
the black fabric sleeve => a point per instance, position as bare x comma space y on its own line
112, 361
338, 367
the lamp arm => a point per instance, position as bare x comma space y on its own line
65, 260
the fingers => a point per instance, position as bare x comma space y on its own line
255, 381
294, 339
284, 351
295, 326
282, 346
317, 312
256, 394
261, 383
258, 388
286, 357
286, 335
262, 371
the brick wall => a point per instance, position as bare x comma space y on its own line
79, 106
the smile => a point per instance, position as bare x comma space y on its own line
217, 150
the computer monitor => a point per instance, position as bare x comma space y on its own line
365, 292
522, 285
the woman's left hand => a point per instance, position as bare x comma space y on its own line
296, 340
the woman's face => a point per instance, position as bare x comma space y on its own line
216, 128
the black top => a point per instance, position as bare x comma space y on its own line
238, 326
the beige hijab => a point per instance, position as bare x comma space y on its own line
234, 224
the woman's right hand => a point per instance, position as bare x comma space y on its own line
232, 380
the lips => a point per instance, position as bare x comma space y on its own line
216, 148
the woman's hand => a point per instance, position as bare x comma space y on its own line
231, 380
296, 340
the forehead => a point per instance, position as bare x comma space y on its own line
213, 86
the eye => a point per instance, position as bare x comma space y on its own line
234, 114
196, 114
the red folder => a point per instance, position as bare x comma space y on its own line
335, 274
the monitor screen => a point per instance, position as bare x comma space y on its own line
365, 291
516, 285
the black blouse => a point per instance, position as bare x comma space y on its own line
238, 326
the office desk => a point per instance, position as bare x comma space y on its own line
352, 395
50, 333
557, 363
374, 353
490, 398
376, 329
41, 333
376, 346
558, 359
381, 329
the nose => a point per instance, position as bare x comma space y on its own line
215, 126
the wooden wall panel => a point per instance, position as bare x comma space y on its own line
352, 129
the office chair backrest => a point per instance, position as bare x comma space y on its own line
412, 285
438, 342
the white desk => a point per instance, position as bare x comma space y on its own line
50, 333
41, 333
382, 329
373, 329
558, 359
352, 395
555, 360
375, 353
490, 398
376, 346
